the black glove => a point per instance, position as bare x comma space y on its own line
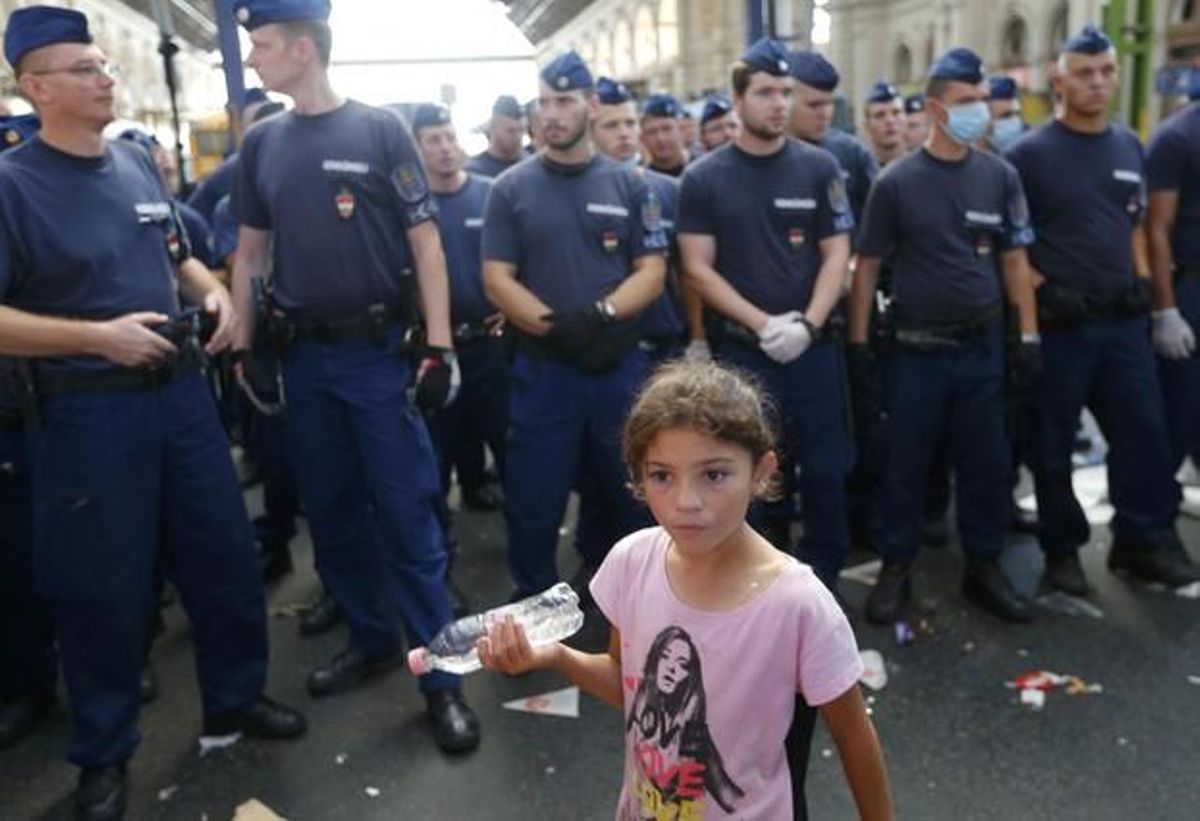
573, 332
1028, 364
438, 379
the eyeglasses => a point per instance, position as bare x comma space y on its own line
86, 71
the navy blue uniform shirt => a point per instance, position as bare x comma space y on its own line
859, 167
573, 232
339, 190
460, 222
216, 186
768, 216
199, 233
1086, 194
941, 227
485, 165
225, 231
1173, 164
87, 237
663, 318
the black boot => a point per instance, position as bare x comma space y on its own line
891, 594
348, 669
275, 560
1164, 563
262, 719
19, 716
100, 795
484, 498
985, 584
321, 617
1064, 572
455, 725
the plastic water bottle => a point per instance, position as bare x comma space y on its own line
547, 617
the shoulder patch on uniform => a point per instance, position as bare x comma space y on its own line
410, 183
652, 214
839, 201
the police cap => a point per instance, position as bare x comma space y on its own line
567, 72
914, 104
1002, 87
814, 70
1089, 40
768, 55
506, 105
960, 65
882, 92
33, 27
254, 13
428, 115
714, 108
610, 92
661, 105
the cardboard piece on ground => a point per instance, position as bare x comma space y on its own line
564, 703
255, 810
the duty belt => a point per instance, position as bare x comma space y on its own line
54, 383
944, 338
291, 326
472, 330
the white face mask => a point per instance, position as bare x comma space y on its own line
967, 122
1006, 131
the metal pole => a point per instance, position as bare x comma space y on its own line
231, 61
754, 20
168, 50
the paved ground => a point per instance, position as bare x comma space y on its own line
959, 745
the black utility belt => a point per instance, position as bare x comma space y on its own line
944, 338
115, 380
1063, 308
473, 330
373, 324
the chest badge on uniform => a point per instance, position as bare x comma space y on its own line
345, 203
610, 242
796, 238
983, 245
173, 243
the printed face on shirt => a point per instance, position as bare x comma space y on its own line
564, 117
673, 666
812, 113
615, 130
440, 151
699, 487
73, 79
765, 107
1086, 82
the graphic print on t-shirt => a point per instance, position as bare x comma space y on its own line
676, 763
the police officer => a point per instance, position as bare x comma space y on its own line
1005, 107
1172, 223
28, 663
812, 121
886, 127
916, 124
480, 414
505, 132
573, 254
949, 219
662, 135
763, 232
1084, 180
718, 122
127, 453
334, 192
219, 184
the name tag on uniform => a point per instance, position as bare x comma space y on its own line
607, 210
152, 211
1127, 176
793, 204
473, 222
345, 167
983, 218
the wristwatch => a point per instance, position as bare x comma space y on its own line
607, 310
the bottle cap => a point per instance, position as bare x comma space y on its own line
416, 662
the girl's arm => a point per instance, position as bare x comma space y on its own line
862, 759
507, 650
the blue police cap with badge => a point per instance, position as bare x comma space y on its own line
428, 115
610, 92
814, 71
254, 13
882, 92
714, 107
1002, 88
506, 105
1089, 40
16, 130
142, 138
33, 27
768, 55
914, 104
567, 72
960, 65
661, 105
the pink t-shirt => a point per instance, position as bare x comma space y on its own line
709, 695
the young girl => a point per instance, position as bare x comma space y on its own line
714, 631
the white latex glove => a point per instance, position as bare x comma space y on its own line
698, 350
775, 327
1173, 337
792, 341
